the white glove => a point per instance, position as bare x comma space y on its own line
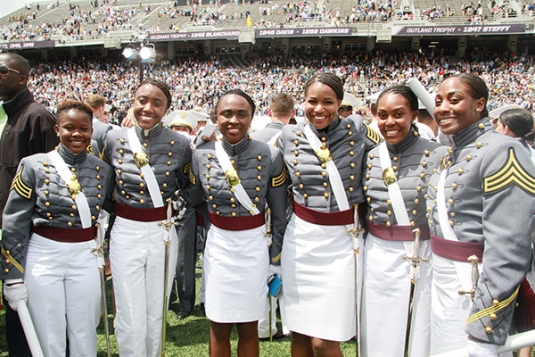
481, 349
15, 293
179, 205
275, 269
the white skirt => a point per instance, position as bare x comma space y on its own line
318, 280
386, 300
236, 265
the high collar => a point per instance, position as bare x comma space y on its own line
71, 158
404, 144
147, 134
329, 129
18, 101
238, 148
275, 125
471, 133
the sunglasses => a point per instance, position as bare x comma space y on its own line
5, 70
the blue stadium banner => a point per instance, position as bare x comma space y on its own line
27, 45
224, 34
304, 32
457, 30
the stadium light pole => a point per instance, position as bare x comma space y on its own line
145, 53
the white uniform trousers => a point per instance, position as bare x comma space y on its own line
449, 310
318, 276
137, 255
386, 301
63, 295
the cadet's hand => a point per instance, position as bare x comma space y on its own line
15, 293
481, 349
179, 205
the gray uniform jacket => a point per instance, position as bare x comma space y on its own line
490, 199
262, 174
39, 196
265, 134
169, 155
348, 141
414, 160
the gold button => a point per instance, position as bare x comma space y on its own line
121, 151
425, 196
210, 198
214, 205
97, 207
413, 223
47, 192
368, 199
256, 199
388, 224
369, 166
326, 194
349, 133
352, 143
394, 168
416, 201
69, 224
479, 145
495, 302
232, 162
296, 152
259, 158
6, 270
47, 203
323, 173
468, 157
365, 188
208, 166
142, 192
119, 172
141, 184
259, 168
71, 214
295, 162
450, 150
372, 209
452, 214
296, 142
142, 201
121, 141
414, 212
45, 163
73, 169
350, 188
367, 177
233, 214
50, 218
481, 126
418, 188
123, 192
348, 126
167, 173
352, 165
168, 163
259, 178
208, 187
430, 222
172, 142
297, 174
352, 177
450, 223
323, 138
164, 185
99, 196
47, 171
257, 189
99, 187
233, 205
47, 181
305, 195
207, 177
48, 214
119, 161
422, 175
298, 133
426, 152
389, 212
493, 316
395, 159
370, 218
232, 200
488, 329
388, 202
169, 154
460, 171
218, 213
351, 153
121, 182
454, 185
208, 156
450, 201
98, 177
424, 163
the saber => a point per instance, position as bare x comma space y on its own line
167, 242
513, 342
356, 231
102, 273
29, 330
